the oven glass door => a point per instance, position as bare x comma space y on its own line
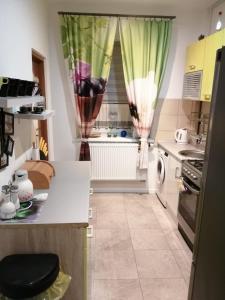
188, 203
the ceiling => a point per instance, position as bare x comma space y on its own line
191, 4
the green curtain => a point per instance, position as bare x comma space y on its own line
144, 45
87, 46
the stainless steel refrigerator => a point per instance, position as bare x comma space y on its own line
208, 267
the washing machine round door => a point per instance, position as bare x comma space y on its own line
161, 170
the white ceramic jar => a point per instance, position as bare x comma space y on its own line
24, 184
7, 208
14, 189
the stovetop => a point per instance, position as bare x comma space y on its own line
197, 164
192, 169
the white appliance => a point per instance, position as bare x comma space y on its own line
181, 136
162, 168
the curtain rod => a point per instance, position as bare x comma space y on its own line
116, 15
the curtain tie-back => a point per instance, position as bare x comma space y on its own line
143, 139
84, 140
143, 154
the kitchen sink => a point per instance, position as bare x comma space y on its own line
195, 154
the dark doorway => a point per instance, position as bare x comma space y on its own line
39, 72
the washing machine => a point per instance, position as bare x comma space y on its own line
162, 169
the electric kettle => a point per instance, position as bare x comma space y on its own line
181, 136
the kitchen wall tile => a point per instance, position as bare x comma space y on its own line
164, 289
185, 107
183, 121
195, 106
164, 135
167, 122
205, 107
170, 107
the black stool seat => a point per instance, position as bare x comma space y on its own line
27, 275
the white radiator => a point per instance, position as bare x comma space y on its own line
114, 161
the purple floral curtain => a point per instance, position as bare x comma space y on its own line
87, 46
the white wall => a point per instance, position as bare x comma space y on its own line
187, 27
23, 26
218, 7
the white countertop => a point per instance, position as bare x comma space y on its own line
68, 196
173, 148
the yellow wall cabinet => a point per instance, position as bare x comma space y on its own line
195, 56
201, 56
212, 43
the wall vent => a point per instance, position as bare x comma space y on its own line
192, 85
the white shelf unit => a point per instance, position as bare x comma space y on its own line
43, 116
7, 102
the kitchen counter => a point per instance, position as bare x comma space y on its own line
60, 228
68, 196
173, 148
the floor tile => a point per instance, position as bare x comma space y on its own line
166, 222
175, 240
138, 203
111, 264
184, 262
143, 220
109, 220
164, 289
157, 264
117, 290
113, 239
151, 239
136, 240
112, 203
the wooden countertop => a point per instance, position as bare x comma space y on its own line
68, 196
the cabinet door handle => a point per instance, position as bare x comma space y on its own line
177, 173
90, 213
207, 97
90, 231
192, 67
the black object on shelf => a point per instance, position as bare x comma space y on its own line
4, 86
29, 88
12, 87
22, 88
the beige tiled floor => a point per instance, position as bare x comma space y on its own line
137, 252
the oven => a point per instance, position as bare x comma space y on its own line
188, 202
